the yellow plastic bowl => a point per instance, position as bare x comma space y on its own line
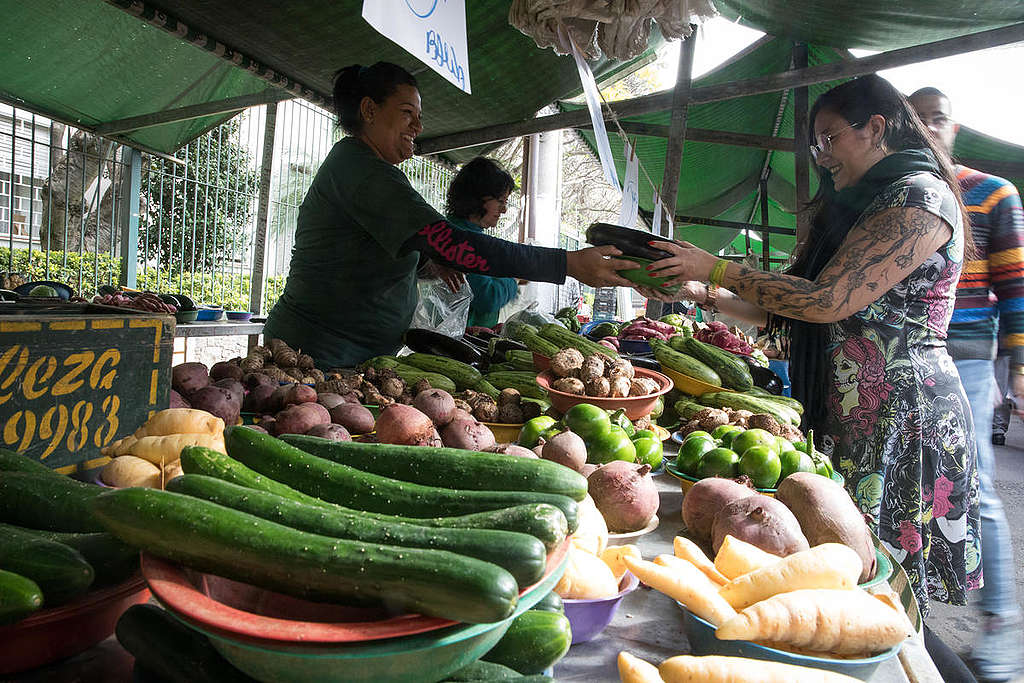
689, 385
505, 433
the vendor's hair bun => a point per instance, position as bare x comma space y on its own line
354, 82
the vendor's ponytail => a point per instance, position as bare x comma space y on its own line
354, 82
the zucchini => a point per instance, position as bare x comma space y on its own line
755, 404
212, 538
523, 381
786, 401
523, 556
353, 488
684, 364
60, 572
540, 520
49, 501
527, 335
411, 376
535, 641
733, 370
171, 650
686, 409
435, 343
15, 462
483, 671
552, 602
485, 387
112, 560
464, 375
444, 467
563, 339
19, 597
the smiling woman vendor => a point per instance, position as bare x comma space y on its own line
362, 230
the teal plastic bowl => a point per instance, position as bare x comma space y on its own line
701, 635
883, 570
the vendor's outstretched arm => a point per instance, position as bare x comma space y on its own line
726, 302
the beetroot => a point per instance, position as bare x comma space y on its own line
566, 449
402, 424
588, 469
332, 432
299, 418
355, 418
468, 434
702, 502
512, 449
329, 400
436, 404
761, 521
625, 494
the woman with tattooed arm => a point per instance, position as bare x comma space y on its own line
866, 305
363, 230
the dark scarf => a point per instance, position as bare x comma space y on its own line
810, 368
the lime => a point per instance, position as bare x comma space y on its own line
612, 445
794, 461
719, 462
726, 433
644, 434
588, 421
691, 453
619, 418
762, 465
753, 437
698, 434
531, 432
783, 444
649, 451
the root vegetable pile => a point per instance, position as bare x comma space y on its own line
598, 375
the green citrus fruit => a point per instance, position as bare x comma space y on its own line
762, 465
649, 451
588, 421
691, 453
753, 437
612, 445
719, 462
699, 434
794, 461
783, 444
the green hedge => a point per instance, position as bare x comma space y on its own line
228, 290
63, 267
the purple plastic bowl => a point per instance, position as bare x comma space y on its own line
589, 617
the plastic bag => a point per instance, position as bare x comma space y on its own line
442, 310
530, 314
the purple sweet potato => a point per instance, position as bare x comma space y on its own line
761, 521
251, 380
178, 401
330, 400
226, 370
188, 378
232, 385
258, 399
220, 402
703, 501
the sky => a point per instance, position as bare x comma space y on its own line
980, 84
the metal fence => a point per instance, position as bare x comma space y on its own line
64, 198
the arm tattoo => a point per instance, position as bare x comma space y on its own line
877, 253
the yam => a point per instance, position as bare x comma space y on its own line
827, 514
721, 669
128, 470
635, 670
586, 577
161, 450
180, 421
591, 531
614, 556
736, 558
686, 549
686, 584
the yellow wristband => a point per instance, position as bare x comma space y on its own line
718, 272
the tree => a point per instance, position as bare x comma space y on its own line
196, 216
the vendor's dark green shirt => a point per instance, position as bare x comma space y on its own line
350, 293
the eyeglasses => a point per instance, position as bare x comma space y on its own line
825, 141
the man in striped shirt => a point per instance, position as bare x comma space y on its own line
989, 300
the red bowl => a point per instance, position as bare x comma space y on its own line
240, 611
52, 634
635, 406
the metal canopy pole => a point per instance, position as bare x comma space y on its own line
129, 218
718, 137
192, 111
259, 246
803, 151
765, 249
677, 129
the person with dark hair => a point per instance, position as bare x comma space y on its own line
866, 305
989, 314
363, 229
477, 198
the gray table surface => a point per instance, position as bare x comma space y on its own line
217, 328
649, 624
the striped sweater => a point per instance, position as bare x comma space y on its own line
990, 296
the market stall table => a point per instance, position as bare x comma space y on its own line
218, 328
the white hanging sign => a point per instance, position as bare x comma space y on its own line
630, 189
656, 220
593, 97
433, 31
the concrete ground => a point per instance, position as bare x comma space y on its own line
957, 626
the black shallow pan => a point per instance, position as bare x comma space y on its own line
629, 241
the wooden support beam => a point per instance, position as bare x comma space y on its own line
802, 170
677, 130
192, 111
721, 137
735, 225
762, 196
662, 101
259, 243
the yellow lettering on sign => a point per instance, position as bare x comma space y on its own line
48, 431
112, 356
110, 405
72, 325
15, 372
11, 431
79, 434
28, 387
70, 383
20, 327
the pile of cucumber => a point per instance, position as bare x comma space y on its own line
357, 523
52, 548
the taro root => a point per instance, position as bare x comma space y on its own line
625, 494
392, 387
333, 432
621, 368
188, 378
642, 386
402, 424
598, 387
761, 521
531, 409
764, 421
486, 411
467, 434
463, 405
508, 396
510, 413
593, 367
569, 385
703, 501
619, 387
566, 449
226, 370
436, 404
567, 363
422, 385
357, 419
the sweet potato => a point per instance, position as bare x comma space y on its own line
161, 450
635, 670
705, 499
178, 401
736, 558
180, 421
357, 419
827, 514
188, 378
129, 470
686, 584
586, 577
329, 400
226, 370
761, 521
685, 549
218, 401
251, 380
332, 432
721, 669
234, 386
299, 418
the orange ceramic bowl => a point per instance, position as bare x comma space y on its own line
635, 406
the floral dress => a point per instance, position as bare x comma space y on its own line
899, 425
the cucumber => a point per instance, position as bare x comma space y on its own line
112, 560
521, 360
786, 401
447, 466
755, 404
540, 520
564, 339
212, 538
522, 555
485, 387
381, 362
350, 487
535, 641
171, 650
483, 671
552, 602
411, 376
684, 364
19, 597
49, 501
527, 335
733, 370
14, 462
525, 382
686, 409
465, 376
60, 572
